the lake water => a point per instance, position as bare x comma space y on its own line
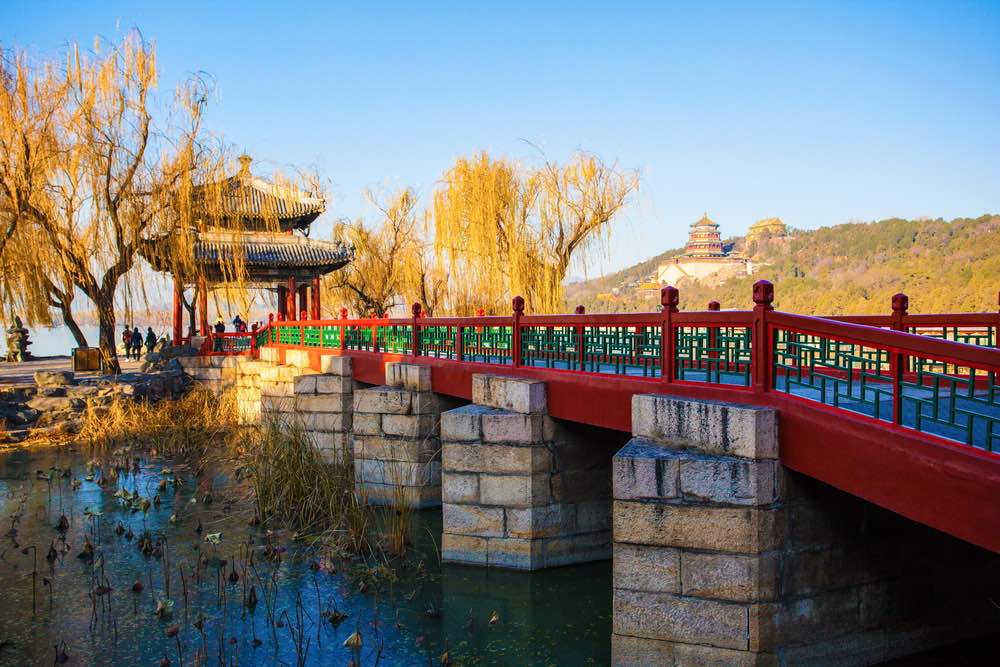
555, 617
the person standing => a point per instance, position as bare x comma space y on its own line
220, 328
150, 340
136, 343
127, 342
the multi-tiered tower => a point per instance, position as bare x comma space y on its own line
704, 239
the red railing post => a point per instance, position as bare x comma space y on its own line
580, 310
343, 329
713, 337
897, 361
515, 353
415, 309
669, 298
460, 343
761, 354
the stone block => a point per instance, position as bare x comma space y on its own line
473, 520
53, 378
707, 426
326, 440
297, 358
500, 459
643, 469
334, 364
283, 389
417, 497
811, 619
323, 403
333, 384
463, 424
643, 568
394, 374
514, 490
272, 354
674, 618
634, 651
742, 578
509, 393
304, 385
424, 402
392, 449
410, 426
514, 553
537, 522
467, 549
417, 377
367, 424
333, 422
278, 374
383, 400
513, 427
56, 403
457, 487
577, 548
405, 473
729, 529
728, 480
277, 404
205, 373
694, 655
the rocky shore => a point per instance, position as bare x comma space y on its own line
54, 405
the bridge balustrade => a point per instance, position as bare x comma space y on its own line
936, 374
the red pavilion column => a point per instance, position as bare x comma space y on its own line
203, 306
178, 312
303, 301
283, 302
290, 313
314, 313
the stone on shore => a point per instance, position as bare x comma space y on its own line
53, 378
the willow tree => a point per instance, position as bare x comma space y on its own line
502, 230
106, 178
384, 262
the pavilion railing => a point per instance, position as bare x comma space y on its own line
231, 343
937, 374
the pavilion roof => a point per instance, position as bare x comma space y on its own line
252, 201
264, 255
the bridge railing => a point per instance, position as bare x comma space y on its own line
229, 344
937, 374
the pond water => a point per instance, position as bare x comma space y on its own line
556, 617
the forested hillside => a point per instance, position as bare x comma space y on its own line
850, 268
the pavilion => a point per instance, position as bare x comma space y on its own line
263, 228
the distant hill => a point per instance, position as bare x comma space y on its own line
851, 268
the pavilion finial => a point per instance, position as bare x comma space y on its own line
245, 161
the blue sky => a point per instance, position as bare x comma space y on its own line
818, 113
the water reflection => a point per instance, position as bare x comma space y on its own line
560, 616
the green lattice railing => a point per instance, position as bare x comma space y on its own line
841, 374
395, 338
719, 355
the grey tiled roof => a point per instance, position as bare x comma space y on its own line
274, 250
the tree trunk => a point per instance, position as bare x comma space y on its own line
107, 334
70, 322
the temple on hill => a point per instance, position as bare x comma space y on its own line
767, 228
705, 258
263, 228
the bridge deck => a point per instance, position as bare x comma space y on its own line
901, 410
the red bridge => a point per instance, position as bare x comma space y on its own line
901, 410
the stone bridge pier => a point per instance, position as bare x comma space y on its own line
397, 446
521, 490
724, 557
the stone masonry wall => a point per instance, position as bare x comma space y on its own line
397, 450
514, 486
723, 557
